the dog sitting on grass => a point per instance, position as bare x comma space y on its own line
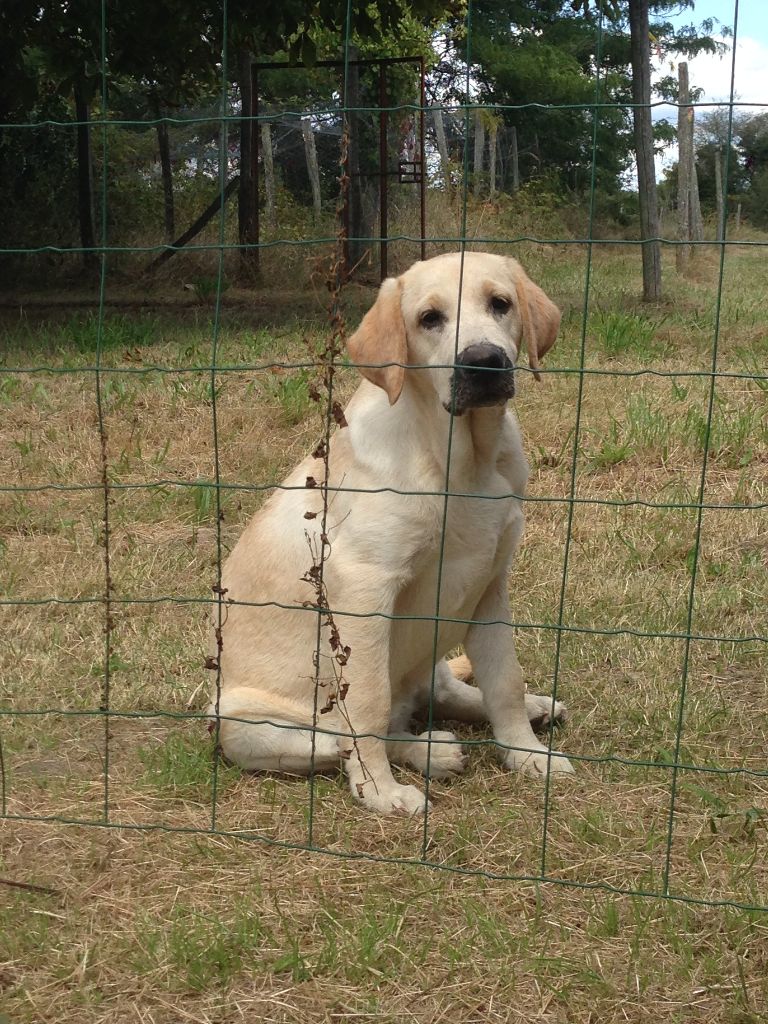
437, 350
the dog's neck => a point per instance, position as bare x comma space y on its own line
421, 433
476, 439
485, 427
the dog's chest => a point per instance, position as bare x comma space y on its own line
469, 544
476, 548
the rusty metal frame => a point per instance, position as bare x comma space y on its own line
382, 63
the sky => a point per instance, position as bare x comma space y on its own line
712, 73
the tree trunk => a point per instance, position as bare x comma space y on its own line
269, 173
479, 148
166, 171
246, 213
312, 166
85, 180
643, 128
684, 164
442, 145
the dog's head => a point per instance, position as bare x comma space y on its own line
462, 320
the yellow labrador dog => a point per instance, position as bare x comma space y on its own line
437, 350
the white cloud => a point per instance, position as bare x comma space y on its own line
713, 73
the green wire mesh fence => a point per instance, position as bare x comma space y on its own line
672, 764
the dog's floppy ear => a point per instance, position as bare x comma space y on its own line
540, 316
380, 339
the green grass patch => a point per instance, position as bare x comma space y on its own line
198, 949
620, 334
184, 766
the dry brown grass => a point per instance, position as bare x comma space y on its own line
159, 926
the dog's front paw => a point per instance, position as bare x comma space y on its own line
405, 801
537, 764
539, 710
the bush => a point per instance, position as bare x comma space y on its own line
755, 201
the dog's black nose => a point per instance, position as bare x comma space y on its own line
483, 375
483, 356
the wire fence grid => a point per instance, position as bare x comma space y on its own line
323, 608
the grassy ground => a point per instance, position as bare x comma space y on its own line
157, 927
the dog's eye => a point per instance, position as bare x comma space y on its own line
499, 305
431, 318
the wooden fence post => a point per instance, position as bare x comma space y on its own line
269, 173
479, 148
719, 194
684, 165
312, 166
442, 145
492, 159
514, 160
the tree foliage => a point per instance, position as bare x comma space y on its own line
535, 62
532, 54
743, 136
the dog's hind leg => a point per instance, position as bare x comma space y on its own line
464, 703
454, 699
260, 737
445, 758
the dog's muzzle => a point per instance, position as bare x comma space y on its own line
483, 375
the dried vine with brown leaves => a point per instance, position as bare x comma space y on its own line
322, 391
